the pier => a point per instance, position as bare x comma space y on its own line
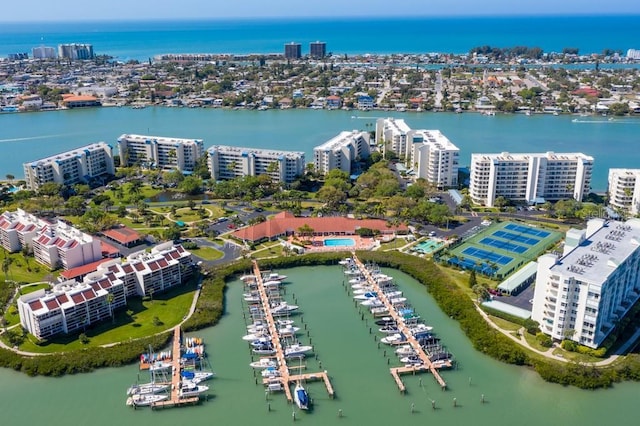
175, 399
285, 377
402, 327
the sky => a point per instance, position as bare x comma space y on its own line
74, 10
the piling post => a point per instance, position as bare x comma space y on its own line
455, 402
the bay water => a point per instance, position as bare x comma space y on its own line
25, 137
365, 391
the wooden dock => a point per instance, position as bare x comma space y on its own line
175, 400
402, 327
285, 377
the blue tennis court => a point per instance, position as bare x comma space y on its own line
503, 245
517, 238
487, 255
527, 230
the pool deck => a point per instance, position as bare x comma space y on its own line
361, 243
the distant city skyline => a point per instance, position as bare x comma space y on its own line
77, 10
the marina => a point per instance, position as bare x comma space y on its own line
416, 340
175, 377
280, 355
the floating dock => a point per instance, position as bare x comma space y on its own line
285, 377
402, 327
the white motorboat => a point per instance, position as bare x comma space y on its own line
274, 276
264, 363
362, 289
366, 295
283, 323
372, 302
389, 329
357, 280
296, 349
411, 360
397, 300
282, 309
405, 350
251, 297
378, 311
146, 399
160, 365
247, 278
189, 389
288, 331
270, 373
301, 397
252, 337
272, 284
197, 376
394, 339
146, 388
362, 286
393, 294
352, 271
420, 328
345, 262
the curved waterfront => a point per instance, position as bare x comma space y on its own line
29, 136
365, 391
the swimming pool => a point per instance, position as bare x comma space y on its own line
339, 242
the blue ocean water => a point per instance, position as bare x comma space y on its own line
144, 39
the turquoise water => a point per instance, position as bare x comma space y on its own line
28, 136
365, 391
143, 39
339, 242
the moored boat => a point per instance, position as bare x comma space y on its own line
147, 388
301, 397
264, 363
189, 389
146, 399
296, 350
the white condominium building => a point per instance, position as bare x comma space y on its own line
624, 189
61, 245
434, 158
68, 168
585, 292
340, 151
17, 229
530, 178
43, 52
76, 51
230, 162
70, 305
393, 135
160, 152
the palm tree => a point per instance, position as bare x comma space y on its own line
110, 302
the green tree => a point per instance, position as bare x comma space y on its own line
473, 281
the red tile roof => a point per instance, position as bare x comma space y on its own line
52, 304
286, 222
122, 235
62, 299
82, 270
108, 250
77, 298
35, 305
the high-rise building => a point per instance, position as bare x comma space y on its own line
75, 51
72, 305
341, 151
79, 165
43, 52
392, 134
318, 49
582, 294
434, 158
161, 153
529, 178
624, 189
292, 51
229, 162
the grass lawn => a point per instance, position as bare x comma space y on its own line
169, 307
207, 253
12, 316
533, 342
19, 272
146, 191
34, 287
395, 244
275, 250
504, 324
185, 214
575, 356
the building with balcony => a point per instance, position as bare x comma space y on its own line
529, 178
71, 305
624, 190
17, 229
43, 52
341, 151
393, 134
58, 245
292, 51
80, 165
434, 157
582, 294
75, 51
230, 162
161, 153
317, 49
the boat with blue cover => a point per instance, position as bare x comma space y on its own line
301, 397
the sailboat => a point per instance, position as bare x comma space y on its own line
301, 397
